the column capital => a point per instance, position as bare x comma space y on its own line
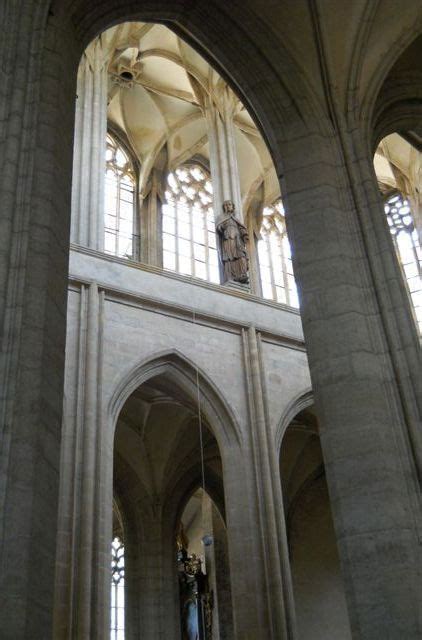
96, 55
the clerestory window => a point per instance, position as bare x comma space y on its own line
275, 261
408, 249
117, 626
119, 202
189, 240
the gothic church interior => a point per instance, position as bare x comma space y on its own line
212, 316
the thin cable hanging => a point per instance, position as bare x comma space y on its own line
207, 538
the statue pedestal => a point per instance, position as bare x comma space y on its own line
237, 286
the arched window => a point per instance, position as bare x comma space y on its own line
117, 626
406, 242
119, 202
189, 242
275, 262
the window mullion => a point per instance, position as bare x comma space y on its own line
206, 245
119, 193
192, 243
176, 229
284, 268
271, 264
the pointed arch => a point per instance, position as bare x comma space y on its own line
183, 372
397, 100
177, 500
302, 401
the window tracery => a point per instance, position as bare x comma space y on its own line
117, 626
275, 261
408, 249
119, 202
189, 240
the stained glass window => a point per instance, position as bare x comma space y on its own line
275, 261
117, 627
189, 240
119, 202
406, 242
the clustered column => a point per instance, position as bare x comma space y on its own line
231, 232
84, 531
89, 148
151, 247
223, 156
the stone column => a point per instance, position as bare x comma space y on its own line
246, 552
222, 577
363, 357
89, 148
219, 110
36, 101
253, 219
133, 575
278, 582
223, 153
210, 562
152, 597
152, 581
151, 249
85, 515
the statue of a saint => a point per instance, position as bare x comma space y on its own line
233, 238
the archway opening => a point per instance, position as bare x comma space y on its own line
158, 449
179, 141
315, 566
398, 166
170, 169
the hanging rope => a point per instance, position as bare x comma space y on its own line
198, 399
207, 539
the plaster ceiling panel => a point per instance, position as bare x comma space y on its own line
205, 151
136, 410
307, 461
166, 75
173, 109
383, 171
161, 432
272, 186
399, 164
184, 142
399, 152
194, 59
300, 456
249, 162
114, 112
160, 37
244, 117
143, 121
130, 447
260, 147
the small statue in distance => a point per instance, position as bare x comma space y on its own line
233, 252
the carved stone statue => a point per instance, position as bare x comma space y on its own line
233, 252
